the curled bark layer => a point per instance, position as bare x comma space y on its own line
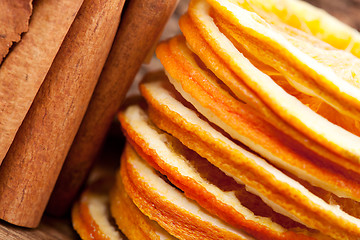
25, 68
14, 20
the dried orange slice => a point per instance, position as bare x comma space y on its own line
286, 106
91, 214
310, 69
131, 221
212, 99
312, 20
211, 59
168, 206
306, 43
282, 193
322, 53
205, 183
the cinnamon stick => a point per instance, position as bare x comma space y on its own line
139, 30
34, 161
25, 68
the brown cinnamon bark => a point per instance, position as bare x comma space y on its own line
34, 161
14, 20
25, 68
139, 30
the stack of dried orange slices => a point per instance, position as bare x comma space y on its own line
251, 133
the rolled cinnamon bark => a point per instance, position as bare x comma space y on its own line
34, 161
139, 30
25, 68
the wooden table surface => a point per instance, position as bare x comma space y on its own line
60, 228
50, 228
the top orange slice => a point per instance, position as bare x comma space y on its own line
301, 24
312, 20
331, 77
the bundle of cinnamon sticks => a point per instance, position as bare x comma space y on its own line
65, 68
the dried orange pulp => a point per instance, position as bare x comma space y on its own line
312, 20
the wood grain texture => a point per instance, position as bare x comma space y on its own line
139, 30
35, 158
50, 228
25, 68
